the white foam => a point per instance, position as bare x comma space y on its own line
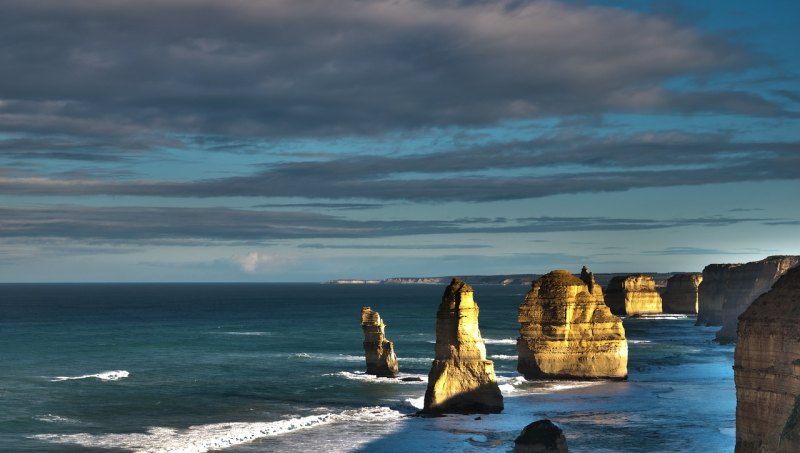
518, 385
639, 341
362, 376
502, 357
416, 403
664, 316
250, 334
500, 341
52, 418
114, 375
328, 357
202, 438
425, 360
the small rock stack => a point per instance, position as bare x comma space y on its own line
379, 352
633, 295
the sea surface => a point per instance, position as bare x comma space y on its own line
279, 367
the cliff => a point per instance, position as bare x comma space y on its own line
744, 284
767, 370
682, 293
567, 331
633, 295
461, 380
381, 360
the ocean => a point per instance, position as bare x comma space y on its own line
279, 368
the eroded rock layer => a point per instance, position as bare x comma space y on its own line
682, 293
633, 295
461, 380
381, 360
568, 332
767, 370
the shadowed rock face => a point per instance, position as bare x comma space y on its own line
568, 332
728, 290
767, 370
461, 380
541, 436
682, 293
379, 352
633, 295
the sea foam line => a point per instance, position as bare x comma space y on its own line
500, 341
362, 376
202, 438
114, 375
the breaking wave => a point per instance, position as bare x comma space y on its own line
114, 375
500, 341
362, 376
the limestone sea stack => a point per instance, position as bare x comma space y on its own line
633, 295
379, 352
461, 380
682, 293
732, 287
568, 332
766, 370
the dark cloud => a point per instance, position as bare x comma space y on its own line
160, 225
704, 251
144, 70
392, 247
500, 171
342, 206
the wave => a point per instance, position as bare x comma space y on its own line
328, 357
500, 341
518, 385
202, 438
425, 360
416, 403
364, 377
502, 357
665, 316
249, 334
639, 341
51, 418
114, 375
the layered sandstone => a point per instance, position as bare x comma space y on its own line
461, 380
381, 360
767, 370
732, 287
568, 332
633, 295
682, 293
541, 437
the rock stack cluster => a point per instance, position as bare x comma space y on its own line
568, 332
767, 370
633, 295
379, 352
728, 289
682, 293
461, 380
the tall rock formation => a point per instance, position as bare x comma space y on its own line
633, 295
682, 293
379, 352
461, 380
568, 332
748, 282
767, 370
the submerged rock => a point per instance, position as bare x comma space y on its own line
381, 360
541, 437
568, 332
766, 370
461, 380
728, 289
682, 293
633, 295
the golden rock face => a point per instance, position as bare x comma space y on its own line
682, 293
767, 370
568, 332
381, 360
461, 380
633, 295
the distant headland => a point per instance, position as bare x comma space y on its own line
503, 279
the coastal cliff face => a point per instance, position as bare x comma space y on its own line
633, 295
767, 370
682, 293
381, 360
743, 284
567, 331
461, 380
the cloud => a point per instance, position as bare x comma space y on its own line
140, 72
250, 262
317, 245
159, 225
704, 251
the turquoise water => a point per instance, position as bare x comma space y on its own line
279, 367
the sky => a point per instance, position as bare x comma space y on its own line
279, 140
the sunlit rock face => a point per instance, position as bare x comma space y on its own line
461, 380
381, 360
732, 287
682, 293
767, 370
633, 295
567, 332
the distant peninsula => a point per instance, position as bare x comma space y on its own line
504, 279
